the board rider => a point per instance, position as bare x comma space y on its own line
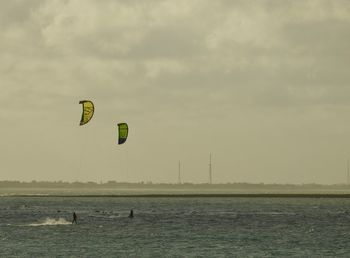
74, 218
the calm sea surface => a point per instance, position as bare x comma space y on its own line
174, 227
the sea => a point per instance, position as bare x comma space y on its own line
41, 226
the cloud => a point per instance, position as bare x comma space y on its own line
259, 53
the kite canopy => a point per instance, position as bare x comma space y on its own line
123, 131
88, 111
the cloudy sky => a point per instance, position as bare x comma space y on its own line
262, 85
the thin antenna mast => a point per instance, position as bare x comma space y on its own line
348, 181
179, 176
210, 172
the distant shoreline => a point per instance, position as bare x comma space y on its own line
180, 196
151, 185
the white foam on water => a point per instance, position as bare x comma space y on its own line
51, 222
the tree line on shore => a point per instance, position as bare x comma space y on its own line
149, 184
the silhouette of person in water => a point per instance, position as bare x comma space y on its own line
131, 215
74, 218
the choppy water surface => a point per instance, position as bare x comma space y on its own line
174, 227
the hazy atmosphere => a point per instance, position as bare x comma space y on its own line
262, 85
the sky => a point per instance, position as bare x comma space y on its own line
262, 85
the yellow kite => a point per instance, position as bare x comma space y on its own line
88, 111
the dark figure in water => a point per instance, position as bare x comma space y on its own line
131, 215
74, 218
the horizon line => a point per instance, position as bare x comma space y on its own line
164, 183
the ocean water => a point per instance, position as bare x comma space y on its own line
174, 227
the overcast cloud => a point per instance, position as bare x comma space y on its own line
263, 85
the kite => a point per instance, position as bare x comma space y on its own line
88, 111
123, 131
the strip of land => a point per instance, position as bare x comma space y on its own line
186, 196
161, 190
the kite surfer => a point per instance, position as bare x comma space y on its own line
131, 215
74, 218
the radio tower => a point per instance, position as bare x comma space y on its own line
210, 167
179, 176
348, 181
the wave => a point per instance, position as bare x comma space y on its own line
51, 222
108, 216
